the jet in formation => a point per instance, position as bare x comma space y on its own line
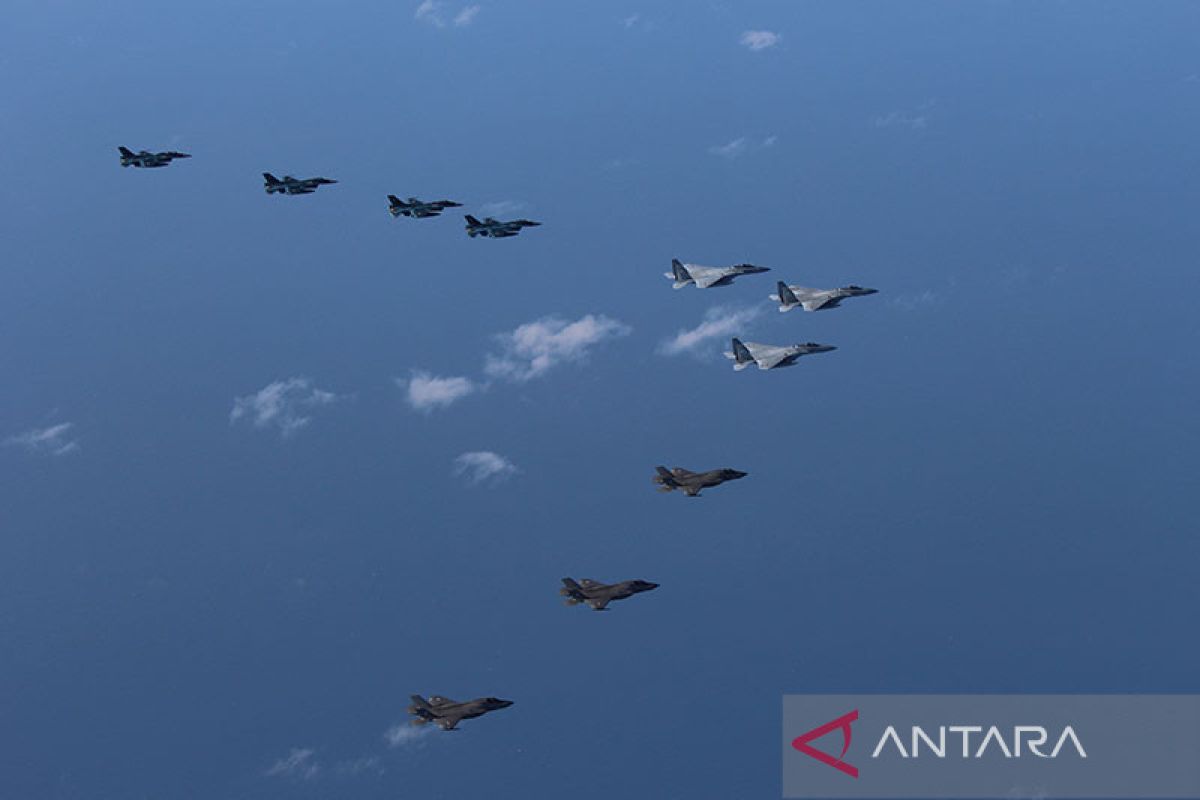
705, 277
446, 714
290, 185
418, 209
599, 595
144, 158
790, 297
691, 483
770, 356
495, 229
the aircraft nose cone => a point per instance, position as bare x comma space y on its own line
503, 703
647, 586
735, 474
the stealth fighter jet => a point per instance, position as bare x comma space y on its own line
790, 297
495, 229
691, 483
290, 185
705, 277
599, 595
769, 356
446, 714
418, 209
144, 158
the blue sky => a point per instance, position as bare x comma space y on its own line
987, 487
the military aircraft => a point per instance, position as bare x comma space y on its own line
599, 595
790, 297
691, 483
496, 229
769, 356
144, 158
418, 209
290, 185
446, 714
704, 277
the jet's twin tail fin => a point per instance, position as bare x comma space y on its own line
271, 179
680, 273
125, 151
394, 200
471, 220
786, 297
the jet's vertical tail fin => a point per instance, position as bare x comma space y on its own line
570, 586
392, 199
787, 298
471, 220
125, 151
419, 702
682, 276
741, 355
271, 179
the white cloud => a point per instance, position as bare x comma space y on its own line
430, 11
402, 735
902, 119
537, 347
719, 322
731, 150
428, 392
770, 141
54, 440
631, 20
759, 40
466, 16
484, 465
501, 207
299, 764
282, 404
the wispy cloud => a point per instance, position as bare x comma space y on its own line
537, 347
426, 392
403, 735
501, 207
741, 145
466, 16
298, 764
286, 405
631, 20
367, 765
916, 120
719, 322
54, 440
483, 466
759, 40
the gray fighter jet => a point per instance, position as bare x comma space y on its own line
691, 483
418, 209
144, 158
495, 229
446, 714
769, 356
790, 297
599, 595
290, 185
705, 277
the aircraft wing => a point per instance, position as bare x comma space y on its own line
816, 303
449, 722
599, 603
706, 276
588, 583
765, 355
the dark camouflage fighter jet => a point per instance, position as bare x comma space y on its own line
290, 185
495, 229
144, 158
599, 595
790, 297
446, 714
418, 209
691, 483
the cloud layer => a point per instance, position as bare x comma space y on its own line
298, 764
53, 441
533, 349
426, 392
719, 322
286, 405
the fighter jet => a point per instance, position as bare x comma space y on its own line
691, 483
496, 229
599, 595
144, 158
705, 277
446, 714
769, 356
790, 297
290, 185
418, 209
